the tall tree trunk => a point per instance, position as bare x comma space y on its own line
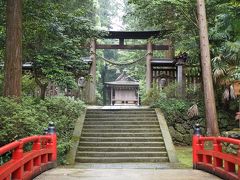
209, 98
43, 89
43, 86
13, 59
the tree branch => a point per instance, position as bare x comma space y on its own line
188, 18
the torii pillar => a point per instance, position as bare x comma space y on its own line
92, 82
148, 65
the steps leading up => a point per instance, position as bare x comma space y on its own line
121, 136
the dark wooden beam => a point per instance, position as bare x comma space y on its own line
135, 34
136, 47
121, 42
164, 69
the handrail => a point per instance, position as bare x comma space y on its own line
27, 165
220, 139
9, 147
215, 160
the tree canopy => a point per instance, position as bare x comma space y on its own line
53, 34
181, 18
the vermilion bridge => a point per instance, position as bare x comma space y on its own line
43, 156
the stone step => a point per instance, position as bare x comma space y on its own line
121, 159
93, 115
121, 112
120, 126
121, 123
122, 144
120, 154
122, 149
122, 139
120, 130
121, 135
121, 119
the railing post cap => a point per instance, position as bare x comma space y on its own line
51, 128
197, 130
45, 131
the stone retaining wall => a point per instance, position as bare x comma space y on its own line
181, 129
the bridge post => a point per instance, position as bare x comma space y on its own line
196, 145
217, 162
18, 154
148, 65
53, 144
37, 144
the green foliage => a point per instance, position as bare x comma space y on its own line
52, 39
184, 155
173, 107
180, 17
152, 95
63, 112
170, 90
225, 48
28, 85
175, 111
14, 117
156, 93
53, 34
31, 116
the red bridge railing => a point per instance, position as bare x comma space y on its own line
214, 160
27, 165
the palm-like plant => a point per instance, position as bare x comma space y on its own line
225, 40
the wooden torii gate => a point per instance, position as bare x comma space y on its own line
121, 36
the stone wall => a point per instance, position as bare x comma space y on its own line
181, 129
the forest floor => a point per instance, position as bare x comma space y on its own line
184, 155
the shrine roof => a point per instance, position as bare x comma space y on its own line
124, 80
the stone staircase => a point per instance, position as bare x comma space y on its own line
121, 136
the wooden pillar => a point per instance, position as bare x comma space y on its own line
138, 97
148, 65
111, 98
169, 54
209, 98
181, 79
92, 83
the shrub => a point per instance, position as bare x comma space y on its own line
31, 116
152, 95
29, 85
181, 126
63, 112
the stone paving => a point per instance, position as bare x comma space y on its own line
126, 166
125, 174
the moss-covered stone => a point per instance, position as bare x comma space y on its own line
180, 128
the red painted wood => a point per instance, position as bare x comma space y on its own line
24, 165
215, 161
